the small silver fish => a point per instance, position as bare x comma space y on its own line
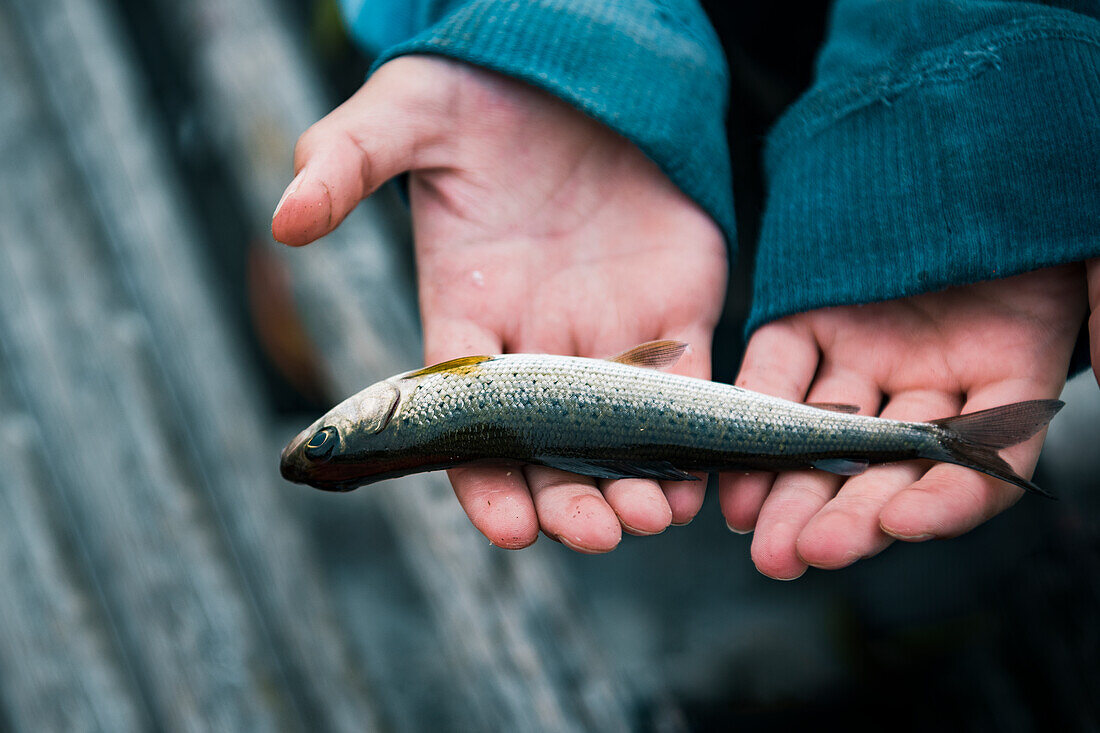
621, 418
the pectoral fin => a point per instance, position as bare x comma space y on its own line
653, 354
842, 466
835, 407
598, 468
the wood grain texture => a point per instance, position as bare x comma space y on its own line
116, 350
159, 539
518, 644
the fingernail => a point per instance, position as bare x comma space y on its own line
733, 529
848, 558
291, 189
639, 532
785, 580
911, 537
578, 548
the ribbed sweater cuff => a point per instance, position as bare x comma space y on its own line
977, 160
655, 75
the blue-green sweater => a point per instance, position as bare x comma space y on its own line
942, 142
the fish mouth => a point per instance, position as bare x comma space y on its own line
293, 464
296, 467
289, 470
338, 478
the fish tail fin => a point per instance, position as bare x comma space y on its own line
972, 440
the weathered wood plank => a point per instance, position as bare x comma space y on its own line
58, 667
61, 667
123, 359
518, 643
80, 365
168, 588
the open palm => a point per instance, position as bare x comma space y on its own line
919, 358
537, 230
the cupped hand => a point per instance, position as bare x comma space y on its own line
537, 230
930, 356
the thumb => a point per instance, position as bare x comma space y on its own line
392, 124
1093, 270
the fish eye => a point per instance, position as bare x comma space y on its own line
320, 446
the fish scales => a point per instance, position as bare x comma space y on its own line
572, 406
614, 419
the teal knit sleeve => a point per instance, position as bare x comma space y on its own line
941, 143
652, 70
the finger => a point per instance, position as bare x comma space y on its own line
495, 498
640, 505
376, 134
1092, 269
797, 496
572, 510
685, 498
780, 360
498, 503
449, 338
645, 506
950, 500
847, 528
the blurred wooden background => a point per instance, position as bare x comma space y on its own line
160, 568
155, 571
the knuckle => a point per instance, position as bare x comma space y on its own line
308, 141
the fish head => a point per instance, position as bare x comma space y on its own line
347, 447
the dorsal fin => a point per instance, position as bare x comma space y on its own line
461, 365
835, 407
653, 354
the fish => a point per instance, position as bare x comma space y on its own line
624, 418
